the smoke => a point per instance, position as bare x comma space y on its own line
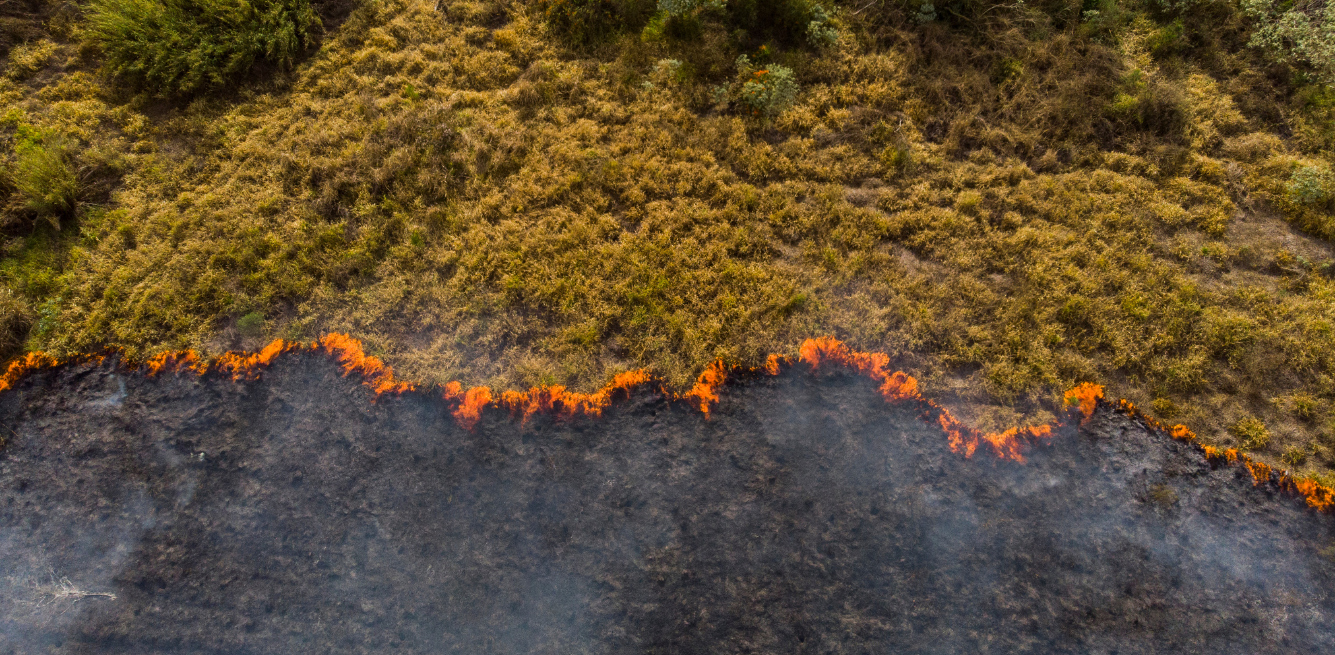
288, 514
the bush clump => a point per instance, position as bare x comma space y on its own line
1311, 185
1301, 32
25, 60
42, 175
251, 325
582, 22
1251, 433
821, 31
1294, 456
762, 92
181, 47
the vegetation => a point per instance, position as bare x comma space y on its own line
1251, 434
42, 175
1007, 198
15, 320
1302, 31
179, 47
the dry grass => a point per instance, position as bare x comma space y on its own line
1007, 210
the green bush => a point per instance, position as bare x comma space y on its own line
1301, 31
1311, 185
585, 21
180, 47
42, 175
821, 31
251, 325
1149, 104
1167, 40
1294, 456
765, 92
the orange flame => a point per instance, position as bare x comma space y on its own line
894, 386
1318, 496
349, 353
1086, 395
901, 387
246, 366
174, 362
706, 387
23, 366
470, 410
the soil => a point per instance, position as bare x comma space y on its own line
294, 515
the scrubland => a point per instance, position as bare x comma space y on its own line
1008, 199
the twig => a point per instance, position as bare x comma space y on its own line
864, 7
65, 590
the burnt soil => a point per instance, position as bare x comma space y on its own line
293, 515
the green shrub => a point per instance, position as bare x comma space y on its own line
1311, 185
898, 158
1149, 103
1167, 40
42, 175
821, 31
180, 47
251, 325
765, 92
925, 13
1301, 31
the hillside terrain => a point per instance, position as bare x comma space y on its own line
1008, 198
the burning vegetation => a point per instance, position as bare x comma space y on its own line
895, 387
244, 504
1008, 199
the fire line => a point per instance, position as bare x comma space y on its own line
895, 386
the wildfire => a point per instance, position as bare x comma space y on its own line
1086, 396
898, 386
557, 400
349, 353
21, 367
174, 362
471, 404
894, 386
706, 387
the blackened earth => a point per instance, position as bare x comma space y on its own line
293, 515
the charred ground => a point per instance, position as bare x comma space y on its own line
292, 514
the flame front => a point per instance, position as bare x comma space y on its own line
23, 366
899, 386
894, 386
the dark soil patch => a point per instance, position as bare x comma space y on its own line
292, 515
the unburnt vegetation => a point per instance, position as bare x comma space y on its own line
1007, 198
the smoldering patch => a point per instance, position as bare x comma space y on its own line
801, 513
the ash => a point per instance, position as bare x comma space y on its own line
180, 514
